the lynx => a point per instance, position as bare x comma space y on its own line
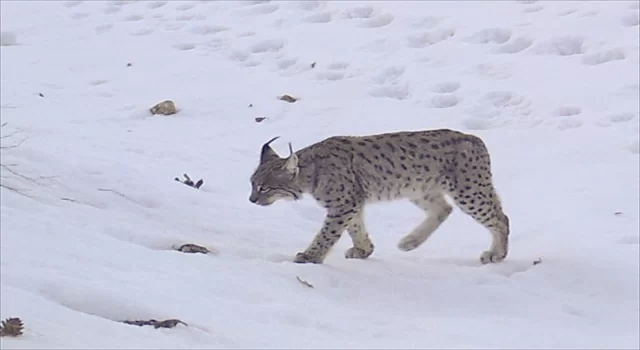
345, 173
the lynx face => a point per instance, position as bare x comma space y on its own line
275, 178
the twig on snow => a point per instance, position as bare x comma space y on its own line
304, 283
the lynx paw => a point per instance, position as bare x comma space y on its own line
491, 257
304, 258
409, 243
357, 253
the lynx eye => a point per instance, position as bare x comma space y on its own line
263, 189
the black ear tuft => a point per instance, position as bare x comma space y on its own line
267, 152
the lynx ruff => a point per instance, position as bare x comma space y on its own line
345, 173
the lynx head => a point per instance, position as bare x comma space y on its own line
275, 178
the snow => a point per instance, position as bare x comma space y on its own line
552, 88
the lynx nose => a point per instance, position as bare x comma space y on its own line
253, 198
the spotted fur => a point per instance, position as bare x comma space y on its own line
345, 173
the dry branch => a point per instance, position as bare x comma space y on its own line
156, 324
11, 327
305, 283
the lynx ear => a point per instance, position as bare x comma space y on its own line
267, 152
291, 165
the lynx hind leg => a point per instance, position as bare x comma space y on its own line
362, 245
437, 210
483, 205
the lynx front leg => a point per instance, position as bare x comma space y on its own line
334, 225
362, 245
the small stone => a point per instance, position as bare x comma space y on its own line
165, 107
260, 119
192, 248
40, 94
129, 65
288, 98
313, 65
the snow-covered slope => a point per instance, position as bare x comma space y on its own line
87, 233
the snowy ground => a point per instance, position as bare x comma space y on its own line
552, 87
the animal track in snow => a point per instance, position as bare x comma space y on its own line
133, 18
251, 63
80, 15
504, 99
500, 107
444, 101
111, 10
367, 18
173, 26
567, 12
429, 38
260, 9
338, 65
532, 9
567, 111
397, 92
311, 5
335, 71
561, 46
589, 14
491, 70
217, 44
239, 55
389, 75
477, 124
98, 82
321, 17
156, 4
389, 85
103, 28
142, 32
362, 12
490, 35
286, 63
515, 45
245, 34
621, 117
571, 123
208, 29
604, 56
189, 17
330, 75
630, 20
121, 2
270, 45
424, 23
73, 3
446, 87
185, 6
184, 46
377, 22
